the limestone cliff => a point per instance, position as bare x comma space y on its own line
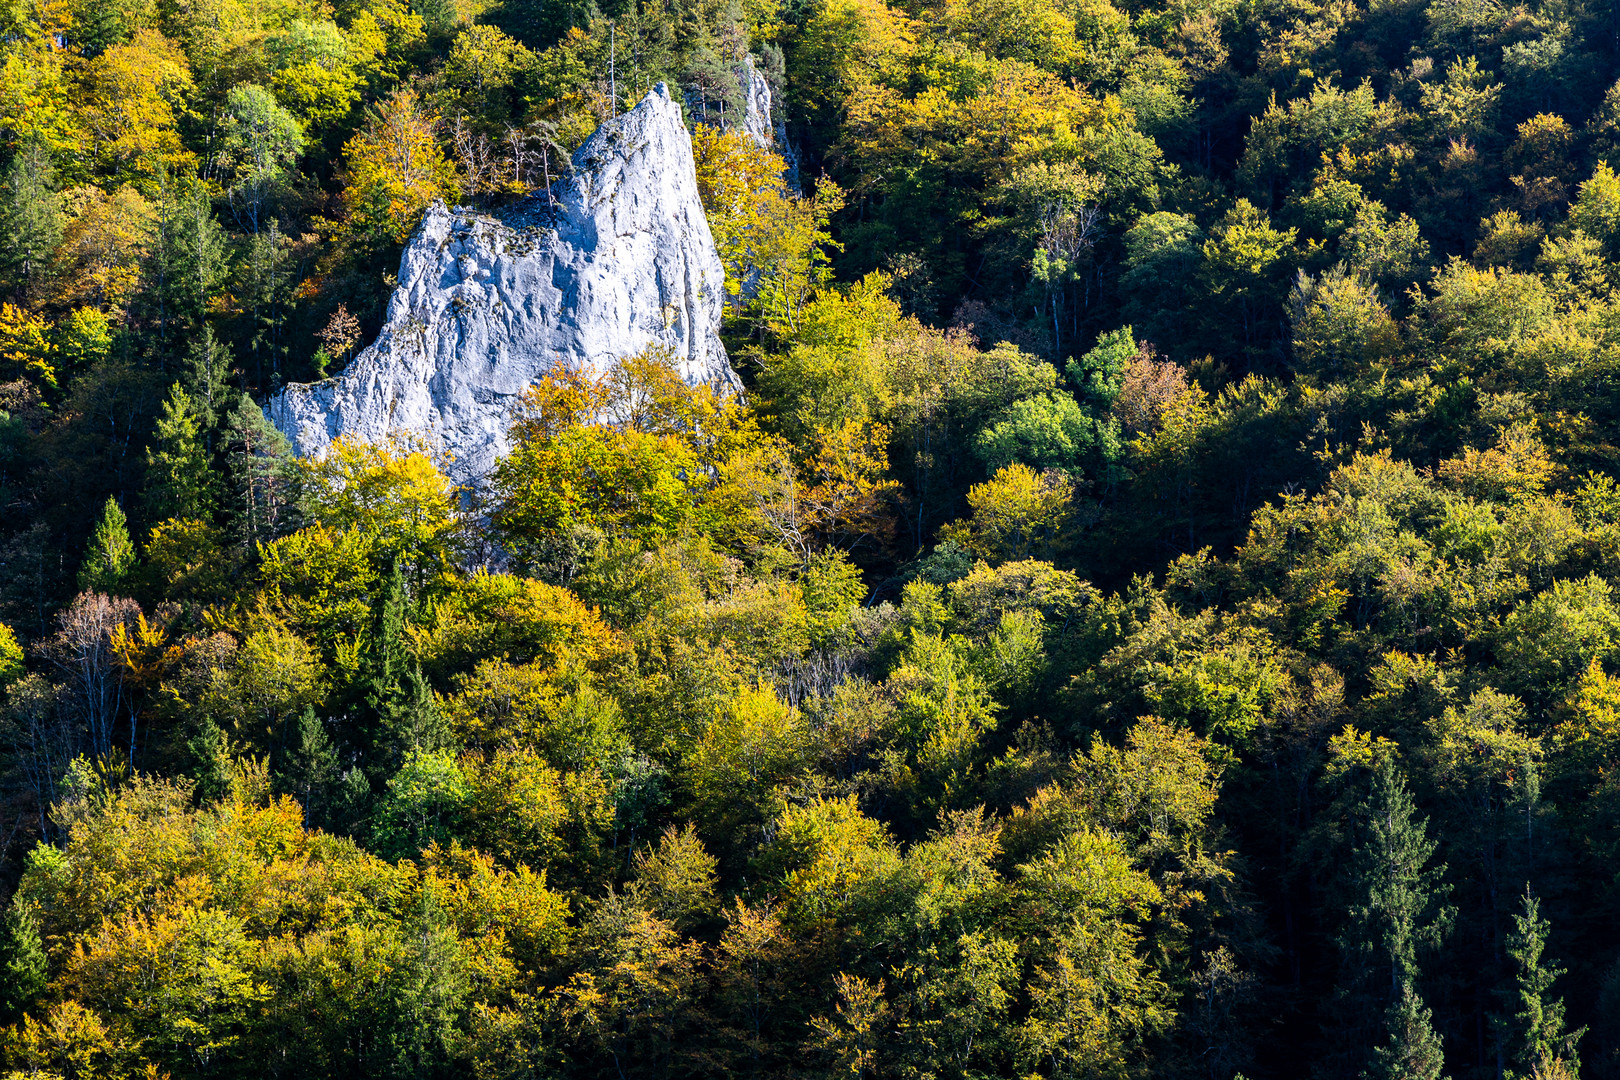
757, 104
487, 306
760, 120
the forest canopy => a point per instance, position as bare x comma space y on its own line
1154, 609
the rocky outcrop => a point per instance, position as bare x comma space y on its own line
756, 92
761, 121
487, 306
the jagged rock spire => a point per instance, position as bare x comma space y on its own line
487, 306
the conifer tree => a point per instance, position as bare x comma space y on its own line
401, 713
259, 500
191, 260
352, 801
179, 482
311, 765
111, 553
1400, 907
265, 288
1533, 1033
208, 370
1413, 1051
211, 762
22, 963
98, 25
405, 716
1396, 911
30, 218
387, 643
386, 662
412, 719
1531, 832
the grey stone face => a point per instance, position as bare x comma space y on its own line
487, 307
757, 92
760, 122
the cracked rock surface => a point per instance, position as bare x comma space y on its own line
760, 123
487, 306
757, 100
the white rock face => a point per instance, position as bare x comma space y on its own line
485, 308
757, 103
760, 122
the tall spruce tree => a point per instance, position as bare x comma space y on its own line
212, 762
190, 261
207, 376
310, 767
1413, 1051
98, 25
259, 495
386, 664
31, 218
179, 481
1532, 1032
22, 963
399, 709
1396, 911
111, 554
413, 720
265, 286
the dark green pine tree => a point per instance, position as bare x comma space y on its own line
207, 376
30, 218
264, 288
211, 402
414, 721
1532, 1034
1397, 910
386, 666
438, 16
401, 714
258, 501
212, 763
179, 480
352, 801
1413, 1051
190, 262
310, 767
98, 25
110, 555
22, 963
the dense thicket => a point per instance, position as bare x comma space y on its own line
1153, 613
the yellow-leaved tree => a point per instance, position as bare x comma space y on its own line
1017, 514
36, 103
396, 169
135, 93
393, 493
629, 452
25, 347
772, 240
106, 238
184, 939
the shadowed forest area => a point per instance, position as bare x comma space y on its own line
1153, 612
